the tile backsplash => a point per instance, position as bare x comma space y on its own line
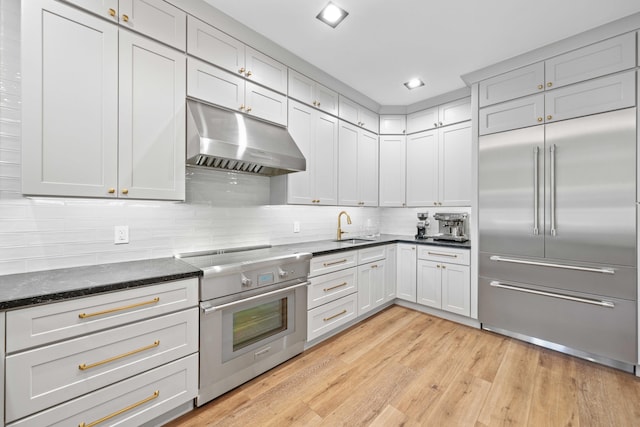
221, 209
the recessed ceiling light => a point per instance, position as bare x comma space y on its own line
332, 15
414, 83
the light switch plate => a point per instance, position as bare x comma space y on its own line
121, 234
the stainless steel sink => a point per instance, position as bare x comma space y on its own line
354, 241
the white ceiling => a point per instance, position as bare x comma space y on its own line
384, 43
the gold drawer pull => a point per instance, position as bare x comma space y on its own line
441, 254
84, 366
326, 319
112, 310
329, 264
335, 287
122, 411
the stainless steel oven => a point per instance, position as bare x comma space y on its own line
253, 315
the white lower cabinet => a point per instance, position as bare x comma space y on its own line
443, 280
331, 316
406, 272
391, 272
135, 350
371, 288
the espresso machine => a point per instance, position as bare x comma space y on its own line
423, 223
452, 226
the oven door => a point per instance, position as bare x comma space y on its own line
241, 339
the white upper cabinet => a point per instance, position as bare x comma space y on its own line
358, 115
422, 169
357, 166
442, 115
152, 120
599, 59
222, 50
216, 86
89, 105
514, 84
313, 93
393, 151
154, 18
515, 114
393, 124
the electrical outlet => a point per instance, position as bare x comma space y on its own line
296, 226
121, 234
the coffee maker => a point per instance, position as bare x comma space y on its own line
452, 226
423, 223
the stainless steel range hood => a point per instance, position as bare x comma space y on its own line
222, 139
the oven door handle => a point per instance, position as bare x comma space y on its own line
209, 310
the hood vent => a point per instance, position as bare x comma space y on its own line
222, 139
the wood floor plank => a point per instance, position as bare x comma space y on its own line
390, 417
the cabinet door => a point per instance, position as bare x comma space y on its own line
390, 272
326, 99
371, 290
392, 170
406, 272
422, 169
266, 71
265, 104
456, 289
325, 159
348, 165
454, 112
302, 129
592, 97
69, 101
455, 165
606, 57
367, 169
429, 284
368, 119
422, 120
510, 115
213, 85
393, 124
301, 88
514, 84
214, 46
152, 120
156, 19
348, 110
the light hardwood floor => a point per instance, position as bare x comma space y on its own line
405, 368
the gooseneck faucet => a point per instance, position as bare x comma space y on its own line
340, 232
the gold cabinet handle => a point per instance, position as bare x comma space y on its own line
318, 103
112, 12
125, 191
248, 109
326, 319
241, 107
540, 87
549, 84
122, 411
443, 254
329, 264
113, 310
439, 203
111, 190
84, 366
539, 119
435, 125
248, 74
241, 70
437, 265
125, 18
374, 266
444, 266
335, 287
549, 117
315, 103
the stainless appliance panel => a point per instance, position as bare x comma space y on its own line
511, 173
590, 189
594, 279
581, 324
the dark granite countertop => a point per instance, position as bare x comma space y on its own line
19, 290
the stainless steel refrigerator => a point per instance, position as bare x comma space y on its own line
557, 235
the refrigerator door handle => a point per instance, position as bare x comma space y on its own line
601, 303
535, 191
552, 150
553, 265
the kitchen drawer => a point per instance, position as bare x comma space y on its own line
444, 254
330, 316
151, 394
605, 331
375, 253
44, 324
329, 287
46, 376
333, 262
